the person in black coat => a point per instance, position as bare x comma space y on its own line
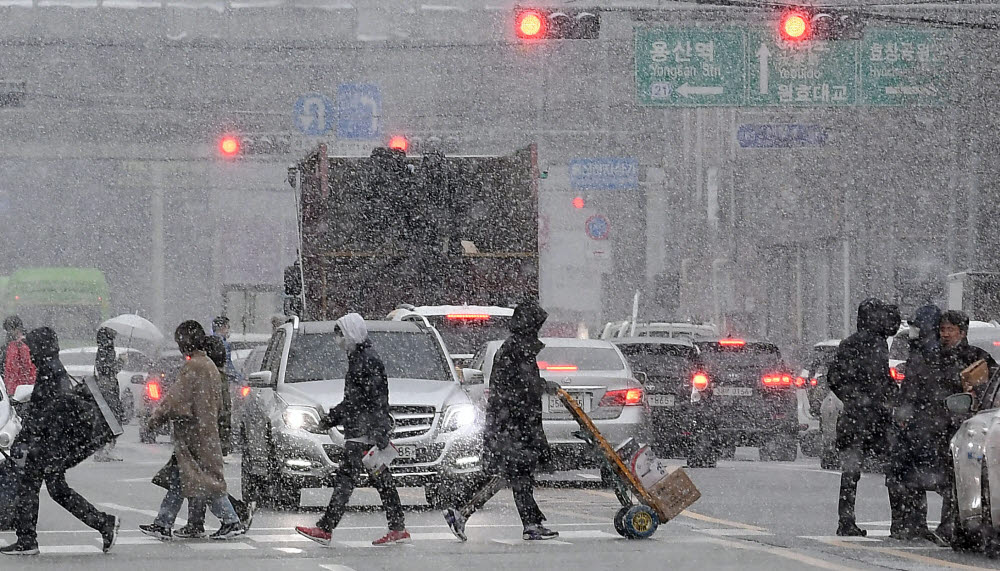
859, 376
364, 414
514, 442
56, 436
107, 366
921, 460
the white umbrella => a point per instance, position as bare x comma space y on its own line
134, 327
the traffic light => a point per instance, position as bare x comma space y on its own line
229, 146
799, 24
557, 24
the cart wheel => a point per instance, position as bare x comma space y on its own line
620, 521
640, 522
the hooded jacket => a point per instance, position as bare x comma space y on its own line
859, 376
514, 440
364, 412
58, 427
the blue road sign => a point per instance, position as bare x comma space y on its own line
314, 114
780, 136
598, 226
359, 111
604, 174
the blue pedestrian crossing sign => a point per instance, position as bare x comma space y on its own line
598, 226
315, 114
359, 111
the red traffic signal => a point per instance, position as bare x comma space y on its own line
399, 143
579, 202
229, 146
530, 24
795, 26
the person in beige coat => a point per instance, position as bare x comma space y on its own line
193, 404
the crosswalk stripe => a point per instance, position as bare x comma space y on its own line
287, 538
289, 550
522, 542
828, 538
67, 549
220, 546
587, 534
719, 532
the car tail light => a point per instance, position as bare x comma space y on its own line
813, 382
153, 390
699, 381
732, 342
244, 392
777, 380
622, 397
544, 366
896, 375
800, 382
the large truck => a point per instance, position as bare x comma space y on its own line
389, 228
73, 301
977, 293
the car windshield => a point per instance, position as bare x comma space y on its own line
316, 357
580, 359
749, 357
659, 360
463, 336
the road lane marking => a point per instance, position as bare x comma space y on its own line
180, 521
433, 537
141, 540
331, 567
523, 542
68, 549
366, 544
220, 546
587, 534
733, 532
290, 538
782, 552
907, 555
829, 538
289, 550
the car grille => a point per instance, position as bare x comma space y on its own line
412, 420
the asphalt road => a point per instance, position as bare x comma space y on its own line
752, 515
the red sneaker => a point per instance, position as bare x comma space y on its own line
393, 537
319, 535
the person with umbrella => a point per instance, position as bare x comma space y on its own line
107, 366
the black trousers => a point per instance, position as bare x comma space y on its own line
850, 461
345, 481
54, 478
522, 484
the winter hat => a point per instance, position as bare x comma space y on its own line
354, 329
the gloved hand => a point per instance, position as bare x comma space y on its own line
552, 387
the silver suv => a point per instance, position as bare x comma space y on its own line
437, 427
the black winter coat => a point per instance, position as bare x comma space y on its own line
364, 412
859, 376
514, 440
59, 424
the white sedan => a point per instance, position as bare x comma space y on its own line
596, 374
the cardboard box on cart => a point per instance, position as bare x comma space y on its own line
673, 494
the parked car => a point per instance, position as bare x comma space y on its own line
593, 372
752, 397
154, 385
437, 429
669, 330
678, 392
79, 362
975, 452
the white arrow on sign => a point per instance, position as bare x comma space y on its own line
686, 90
763, 54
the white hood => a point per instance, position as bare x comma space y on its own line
353, 326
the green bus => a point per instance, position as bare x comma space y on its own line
73, 301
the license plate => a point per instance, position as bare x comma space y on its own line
661, 400
734, 391
556, 404
407, 452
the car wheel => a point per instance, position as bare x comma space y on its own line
252, 486
128, 407
964, 539
146, 436
987, 531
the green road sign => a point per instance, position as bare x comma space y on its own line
688, 67
904, 67
808, 73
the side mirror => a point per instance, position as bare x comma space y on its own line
641, 377
960, 403
23, 393
261, 380
138, 380
472, 377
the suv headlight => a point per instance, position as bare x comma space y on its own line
302, 418
459, 416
